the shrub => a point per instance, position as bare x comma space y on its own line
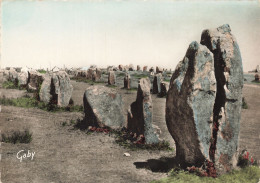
244, 160
18, 137
244, 103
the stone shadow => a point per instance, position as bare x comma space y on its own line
163, 164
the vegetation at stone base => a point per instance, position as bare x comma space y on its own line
42, 71
12, 85
29, 102
83, 79
244, 103
244, 160
249, 175
167, 80
131, 90
256, 82
17, 137
9, 85
133, 142
111, 86
122, 136
139, 76
121, 74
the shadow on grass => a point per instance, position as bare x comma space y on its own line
80, 124
163, 164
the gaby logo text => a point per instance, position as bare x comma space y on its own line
22, 154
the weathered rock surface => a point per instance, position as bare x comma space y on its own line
103, 107
121, 67
45, 91
164, 89
189, 105
97, 74
140, 114
127, 81
22, 79
61, 88
159, 69
13, 75
138, 67
35, 79
145, 68
56, 89
111, 78
131, 67
157, 83
228, 102
203, 103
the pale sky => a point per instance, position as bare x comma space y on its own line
112, 32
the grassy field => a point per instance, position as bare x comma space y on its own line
246, 175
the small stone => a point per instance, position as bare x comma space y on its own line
127, 154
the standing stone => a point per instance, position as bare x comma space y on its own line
157, 83
120, 67
159, 70
189, 105
110, 68
164, 89
126, 68
151, 69
257, 77
96, 76
22, 79
228, 102
257, 69
45, 91
90, 73
35, 79
140, 114
138, 67
131, 67
13, 75
145, 68
127, 81
115, 69
61, 88
111, 78
103, 107
18, 69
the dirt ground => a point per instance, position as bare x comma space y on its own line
63, 154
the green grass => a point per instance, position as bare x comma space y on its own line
167, 80
245, 175
120, 74
28, 102
9, 85
82, 79
132, 89
256, 82
17, 137
42, 71
139, 76
111, 86
12, 85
